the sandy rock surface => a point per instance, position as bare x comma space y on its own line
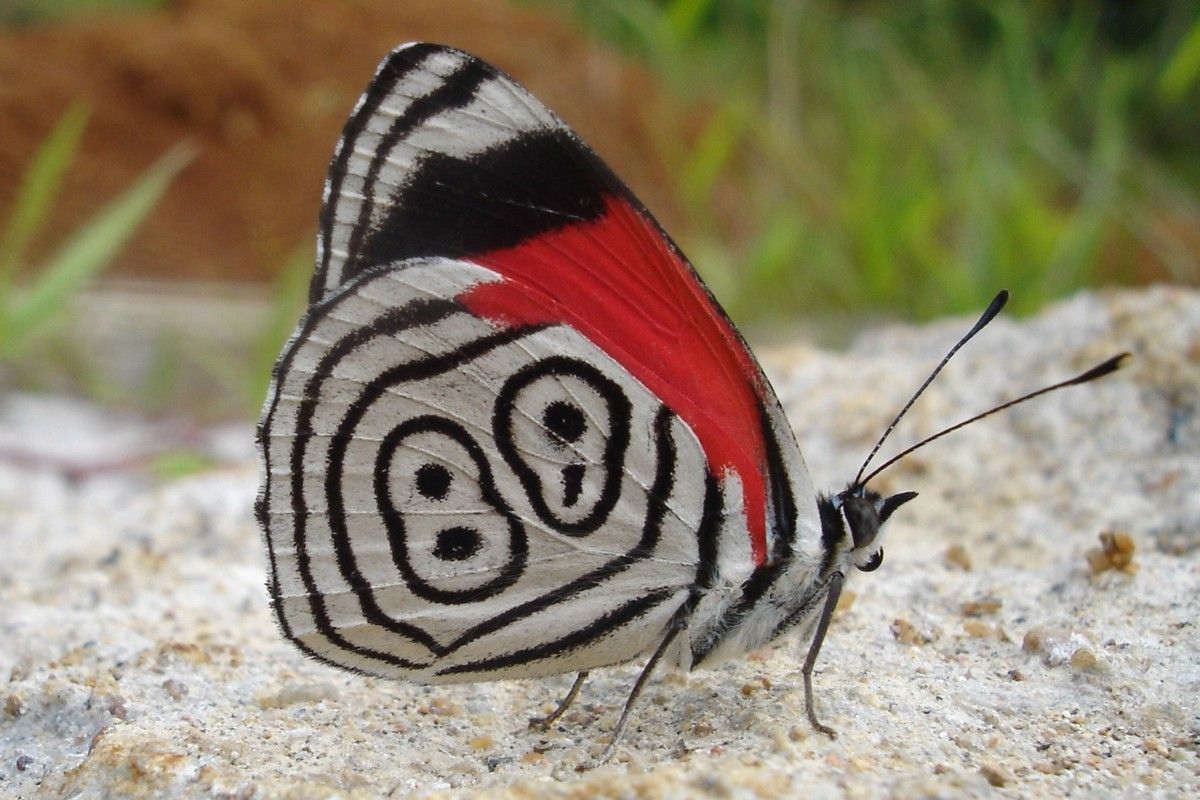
992, 649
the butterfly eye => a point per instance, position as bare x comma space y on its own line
563, 427
862, 519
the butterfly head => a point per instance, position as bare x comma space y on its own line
855, 518
863, 512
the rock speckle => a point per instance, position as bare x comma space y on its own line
140, 658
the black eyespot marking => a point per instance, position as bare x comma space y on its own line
457, 544
572, 477
427, 547
564, 421
542, 408
433, 481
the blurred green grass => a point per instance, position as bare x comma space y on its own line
914, 157
851, 157
25, 12
40, 347
33, 306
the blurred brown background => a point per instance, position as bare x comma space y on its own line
262, 89
827, 165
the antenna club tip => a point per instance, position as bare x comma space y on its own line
1104, 368
994, 308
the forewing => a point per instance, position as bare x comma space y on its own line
446, 156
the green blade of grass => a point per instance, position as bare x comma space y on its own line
1182, 72
86, 254
38, 189
683, 17
27, 12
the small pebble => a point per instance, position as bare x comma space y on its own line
23, 762
1115, 552
907, 633
994, 775
533, 757
978, 629
956, 556
1155, 745
482, 743
14, 706
175, 689
298, 693
1084, 659
981, 607
115, 704
442, 707
844, 602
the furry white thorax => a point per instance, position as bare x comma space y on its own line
798, 592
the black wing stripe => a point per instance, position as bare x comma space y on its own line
456, 91
600, 627
528, 185
709, 532
763, 578
391, 72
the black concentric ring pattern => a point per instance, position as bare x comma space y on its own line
465, 508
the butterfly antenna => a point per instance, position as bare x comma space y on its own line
992, 310
1098, 371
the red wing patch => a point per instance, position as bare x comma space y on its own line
491, 176
616, 281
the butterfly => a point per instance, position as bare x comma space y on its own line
514, 435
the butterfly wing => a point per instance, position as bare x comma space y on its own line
450, 499
514, 434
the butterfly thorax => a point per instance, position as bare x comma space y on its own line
783, 600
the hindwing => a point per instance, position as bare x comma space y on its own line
449, 499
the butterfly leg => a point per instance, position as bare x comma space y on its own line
637, 690
831, 601
542, 723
